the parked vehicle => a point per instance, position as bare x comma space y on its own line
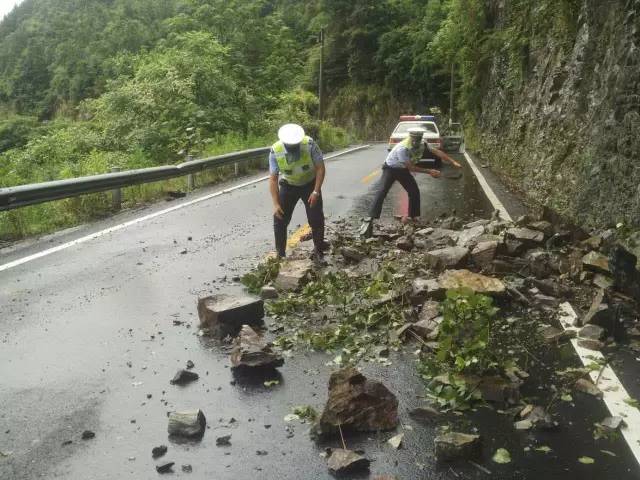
428, 122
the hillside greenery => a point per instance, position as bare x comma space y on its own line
86, 85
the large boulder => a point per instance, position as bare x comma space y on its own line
223, 314
357, 404
250, 350
293, 274
449, 257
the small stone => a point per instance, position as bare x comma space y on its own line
88, 434
405, 243
587, 386
424, 413
454, 445
250, 350
268, 292
542, 226
599, 313
592, 243
484, 253
187, 468
224, 441
427, 328
293, 274
190, 365
449, 257
596, 262
470, 236
157, 452
592, 332
523, 425
612, 423
545, 300
352, 254
190, 423
396, 441
422, 288
165, 467
553, 335
345, 461
602, 281
182, 377
527, 236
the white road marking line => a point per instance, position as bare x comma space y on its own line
614, 393
144, 218
495, 201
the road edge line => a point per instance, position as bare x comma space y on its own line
612, 389
488, 191
144, 218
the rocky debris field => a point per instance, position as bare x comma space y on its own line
476, 307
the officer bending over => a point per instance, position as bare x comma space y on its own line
297, 172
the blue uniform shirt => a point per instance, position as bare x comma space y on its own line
400, 156
314, 149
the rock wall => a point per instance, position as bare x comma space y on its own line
568, 133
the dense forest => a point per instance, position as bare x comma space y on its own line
86, 85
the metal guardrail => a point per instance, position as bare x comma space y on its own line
23, 195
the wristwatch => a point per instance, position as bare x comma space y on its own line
315, 193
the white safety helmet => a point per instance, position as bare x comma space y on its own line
416, 132
291, 134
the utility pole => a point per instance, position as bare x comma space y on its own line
320, 79
451, 97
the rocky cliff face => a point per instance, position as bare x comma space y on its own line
568, 132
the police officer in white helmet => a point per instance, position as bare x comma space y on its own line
399, 166
297, 171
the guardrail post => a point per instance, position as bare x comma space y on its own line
191, 180
235, 169
116, 193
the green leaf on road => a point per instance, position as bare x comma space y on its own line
633, 402
502, 456
586, 460
271, 383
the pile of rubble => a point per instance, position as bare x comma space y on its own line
371, 295
528, 266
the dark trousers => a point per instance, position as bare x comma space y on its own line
289, 196
389, 176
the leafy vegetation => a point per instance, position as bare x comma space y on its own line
89, 85
264, 273
347, 316
474, 340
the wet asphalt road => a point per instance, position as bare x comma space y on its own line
88, 342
